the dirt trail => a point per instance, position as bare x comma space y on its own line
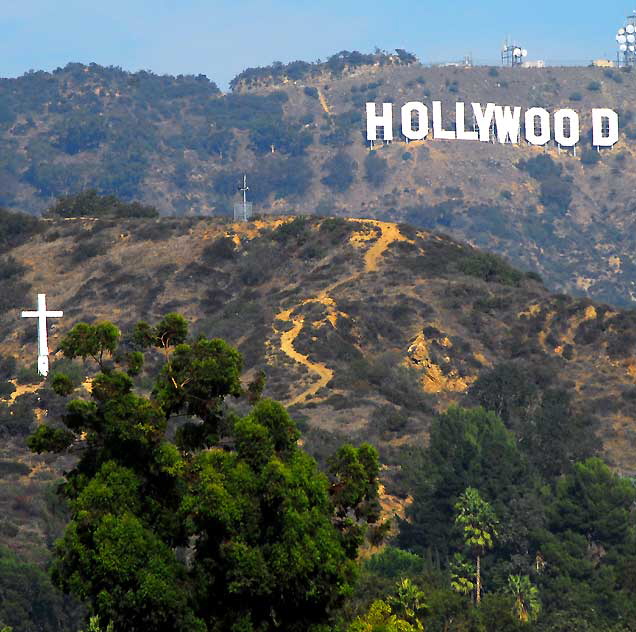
323, 102
287, 346
388, 234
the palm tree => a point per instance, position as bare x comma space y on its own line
478, 522
462, 573
408, 602
527, 605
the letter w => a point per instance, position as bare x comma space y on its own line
507, 123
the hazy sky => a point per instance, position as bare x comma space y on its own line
220, 39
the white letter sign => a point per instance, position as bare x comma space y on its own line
438, 126
599, 138
407, 120
542, 137
385, 121
560, 116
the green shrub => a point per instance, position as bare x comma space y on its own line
6, 389
88, 248
336, 229
393, 562
296, 230
388, 419
490, 268
91, 204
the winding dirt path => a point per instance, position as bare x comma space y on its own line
389, 233
287, 346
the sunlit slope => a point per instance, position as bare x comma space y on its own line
354, 322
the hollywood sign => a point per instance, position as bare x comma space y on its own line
505, 122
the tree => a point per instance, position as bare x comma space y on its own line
479, 525
256, 386
467, 448
462, 574
232, 529
94, 626
354, 473
549, 430
29, 600
527, 605
94, 341
408, 603
380, 618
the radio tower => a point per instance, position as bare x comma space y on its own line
244, 211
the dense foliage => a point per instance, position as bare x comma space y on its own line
550, 527
228, 526
29, 601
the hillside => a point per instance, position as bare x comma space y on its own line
364, 329
334, 311
179, 144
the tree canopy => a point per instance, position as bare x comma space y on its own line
229, 525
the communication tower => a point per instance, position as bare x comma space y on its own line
512, 55
626, 41
243, 210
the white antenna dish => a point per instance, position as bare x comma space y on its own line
631, 38
629, 28
632, 49
621, 31
524, 52
623, 48
517, 52
621, 39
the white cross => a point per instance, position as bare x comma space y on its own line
43, 348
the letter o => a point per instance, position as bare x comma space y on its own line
559, 128
544, 116
407, 122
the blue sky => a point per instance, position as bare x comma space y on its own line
220, 38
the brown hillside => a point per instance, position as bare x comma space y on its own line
178, 143
364, 328
344, 316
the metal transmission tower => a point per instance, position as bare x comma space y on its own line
243, 212
512, 55
626, 40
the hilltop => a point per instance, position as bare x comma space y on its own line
180, 145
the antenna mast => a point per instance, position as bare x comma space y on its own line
243, 210
244, 189
626, 42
